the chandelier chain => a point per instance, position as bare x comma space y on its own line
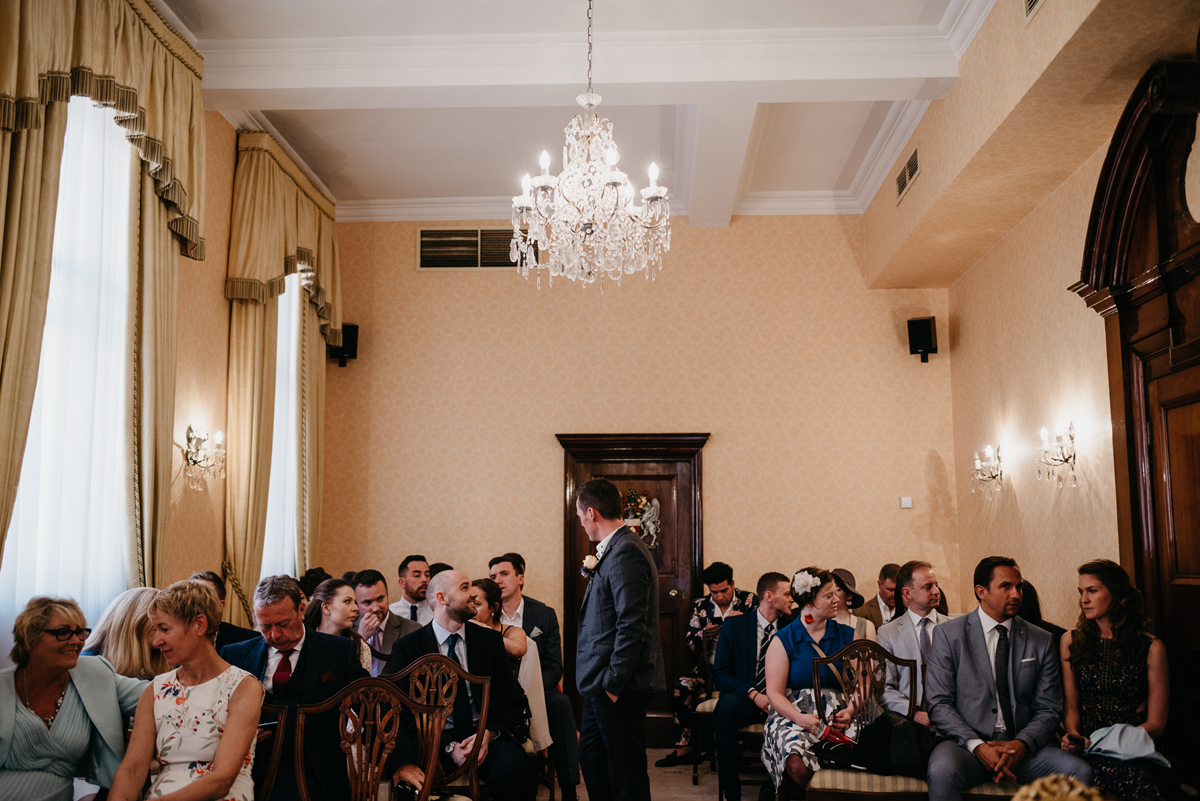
590, 46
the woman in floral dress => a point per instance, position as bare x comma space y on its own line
198, 720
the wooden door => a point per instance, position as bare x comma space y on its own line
664, 468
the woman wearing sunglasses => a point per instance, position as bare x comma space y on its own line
61, 714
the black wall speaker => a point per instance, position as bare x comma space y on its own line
922, 337
349, 347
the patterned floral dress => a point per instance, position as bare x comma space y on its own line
190, 721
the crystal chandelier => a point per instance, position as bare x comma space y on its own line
584, 221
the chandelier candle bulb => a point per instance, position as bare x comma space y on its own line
653, 175
218, 438
545, 163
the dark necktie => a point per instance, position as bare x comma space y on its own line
462, 725
1002, 694
924, 637
412, 612
283, 671
760, 671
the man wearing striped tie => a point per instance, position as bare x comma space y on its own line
739, 674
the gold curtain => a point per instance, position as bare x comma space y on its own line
281, 224
29, 163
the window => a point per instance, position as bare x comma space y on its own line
67, 534
279, 537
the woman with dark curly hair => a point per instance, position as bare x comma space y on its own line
1114, 672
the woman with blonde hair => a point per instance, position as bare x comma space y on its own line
61, 713
123, 636
198, 720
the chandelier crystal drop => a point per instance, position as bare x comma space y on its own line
583, 223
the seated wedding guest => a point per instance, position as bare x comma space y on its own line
414, 585
332, 609
910, 636
439, 567
793, 727
1031, 612
349, 575
994, 690
123, 636
485, 597
312, 579
297, 665
376, 623
540, 623
739, 672
502, 762
724, 600
227, 633
61, 714
1115, 673
882, 608
848, 599
199, 720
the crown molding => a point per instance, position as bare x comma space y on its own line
962, 20
429, 209
175, 22
799, 202
891, 141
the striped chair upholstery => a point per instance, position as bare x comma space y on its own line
992, 789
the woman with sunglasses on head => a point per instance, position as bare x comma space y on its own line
61, 714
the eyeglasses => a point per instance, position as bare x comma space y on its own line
64, 634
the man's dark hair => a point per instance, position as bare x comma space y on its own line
439, 567
416, 557
603, 496
889, 571
513, 558
717, 573
905, 576
368, 578
212, 578
987, 566
769, 581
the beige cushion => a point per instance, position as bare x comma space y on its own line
859, 781
1003, 789
707, 707
753, 728
528, 746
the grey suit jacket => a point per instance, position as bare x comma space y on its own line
900, 638
619, 646
395, 628
961, 693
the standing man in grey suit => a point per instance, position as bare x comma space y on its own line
619, 660
376, 624
994, 688
910, 636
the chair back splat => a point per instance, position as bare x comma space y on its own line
861, 670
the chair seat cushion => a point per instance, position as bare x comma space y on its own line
753, 728
860, 781
706, 707
1005, 789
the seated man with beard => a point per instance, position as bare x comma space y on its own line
480, 651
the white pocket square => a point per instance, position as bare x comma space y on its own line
1030, 659
536, 631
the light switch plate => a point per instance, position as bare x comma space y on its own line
905, 502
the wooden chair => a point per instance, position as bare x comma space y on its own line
263, 787
433, 680
702, 714
371, 717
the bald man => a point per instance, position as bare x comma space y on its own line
479, 650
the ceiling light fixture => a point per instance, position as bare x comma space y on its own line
584, 220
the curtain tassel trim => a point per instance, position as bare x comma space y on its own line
232, 580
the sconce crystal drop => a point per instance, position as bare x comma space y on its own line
1057, 457
988, 475
203, 460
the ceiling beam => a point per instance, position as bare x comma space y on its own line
722, 139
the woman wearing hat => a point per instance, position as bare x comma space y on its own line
850, 599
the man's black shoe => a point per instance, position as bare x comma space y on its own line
672, 759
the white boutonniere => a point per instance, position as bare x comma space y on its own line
589, 566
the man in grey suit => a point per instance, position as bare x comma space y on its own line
910, 636
376, 624
619, 660
994, 689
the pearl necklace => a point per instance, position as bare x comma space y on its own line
49, 721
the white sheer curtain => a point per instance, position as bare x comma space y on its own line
279, 537
66, 534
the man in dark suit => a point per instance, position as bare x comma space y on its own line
994, 689
227, 632
739, 674
619, 661
540, 624
480, 651
297, 665
376, 623
882, 608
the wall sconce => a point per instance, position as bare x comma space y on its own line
1053, 456
988, 475
203, 460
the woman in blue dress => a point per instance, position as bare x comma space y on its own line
793, 726
62, 715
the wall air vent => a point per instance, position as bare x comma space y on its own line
908, 173
1031, 8
443, 249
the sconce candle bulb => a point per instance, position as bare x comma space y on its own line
988, 475
1057, 457
203, 460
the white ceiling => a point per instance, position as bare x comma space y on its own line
406, 110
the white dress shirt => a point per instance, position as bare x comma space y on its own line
273, 657
518, 617
884, 611
603, 544
460, 649
762, 627
992, 638
403, 608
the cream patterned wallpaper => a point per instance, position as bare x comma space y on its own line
197, 524
1028, 353
440, 437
